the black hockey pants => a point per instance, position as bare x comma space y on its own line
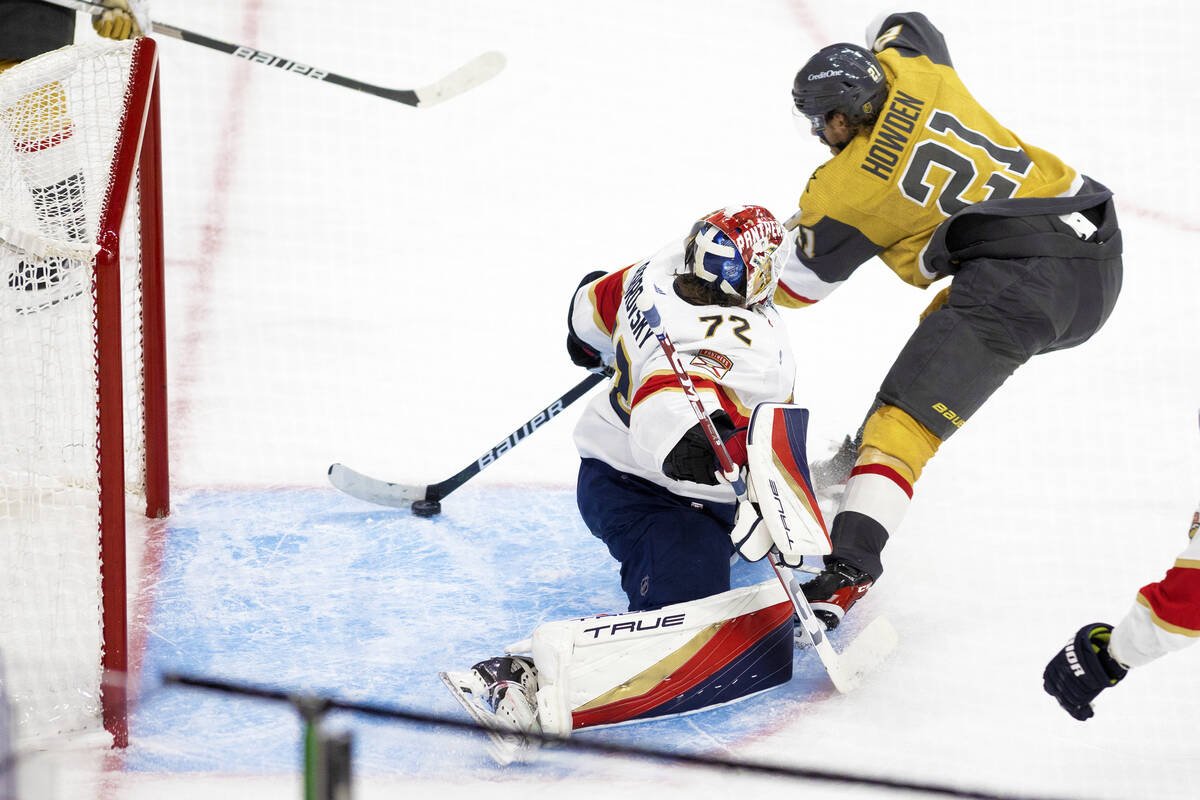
1000, 312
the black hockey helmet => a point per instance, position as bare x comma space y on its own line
841, 77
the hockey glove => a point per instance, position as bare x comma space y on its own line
581, 353
693, 458
1082, 670
117, 21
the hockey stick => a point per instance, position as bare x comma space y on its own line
468, 76
425, 501
872, 645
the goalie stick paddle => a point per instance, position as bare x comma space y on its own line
872, 645
468, 76
425, 501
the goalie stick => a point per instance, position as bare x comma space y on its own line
468, 76
425, 501
872, 645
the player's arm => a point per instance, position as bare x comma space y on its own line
1165, 617
665, 434
826, 252
909, 32
715, 349
592, 318
1166, 614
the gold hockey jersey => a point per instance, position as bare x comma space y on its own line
933, 151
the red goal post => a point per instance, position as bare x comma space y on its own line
82, 325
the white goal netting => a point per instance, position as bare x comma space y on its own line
61, 116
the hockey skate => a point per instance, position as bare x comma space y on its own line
500, 694
835, 590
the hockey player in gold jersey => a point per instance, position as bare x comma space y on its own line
924, 178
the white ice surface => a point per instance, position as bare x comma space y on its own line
355, 280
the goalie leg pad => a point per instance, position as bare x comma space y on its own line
620, 668
778, 466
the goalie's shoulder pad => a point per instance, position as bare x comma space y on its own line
617, 668
776, 455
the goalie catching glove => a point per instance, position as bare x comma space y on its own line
780, 509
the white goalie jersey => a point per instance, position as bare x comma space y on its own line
736, 357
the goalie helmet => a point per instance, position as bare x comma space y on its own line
737, 249
841, 77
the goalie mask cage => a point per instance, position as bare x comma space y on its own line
82, 374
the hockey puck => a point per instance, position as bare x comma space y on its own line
426, 508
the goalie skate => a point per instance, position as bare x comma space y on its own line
500, 694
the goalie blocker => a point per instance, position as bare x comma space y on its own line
612, 669
781, 508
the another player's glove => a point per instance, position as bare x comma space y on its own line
693, 458
1082, 670
117, 21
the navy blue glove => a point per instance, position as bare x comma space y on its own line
1082, 670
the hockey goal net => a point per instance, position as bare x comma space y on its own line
82, 374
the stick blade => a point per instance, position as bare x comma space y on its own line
868, 650
373, 490
468, 76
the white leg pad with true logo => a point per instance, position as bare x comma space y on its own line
612, 669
